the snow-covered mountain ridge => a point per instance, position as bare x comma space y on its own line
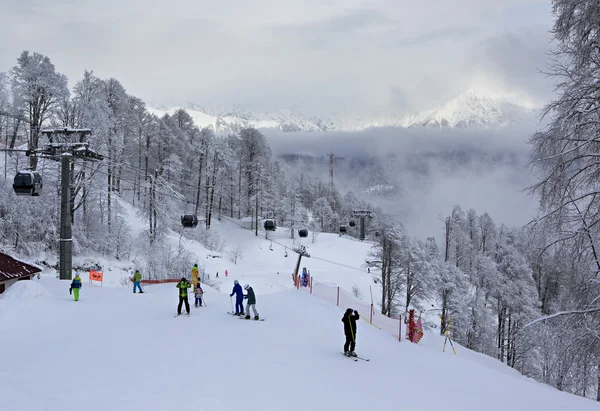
468, 110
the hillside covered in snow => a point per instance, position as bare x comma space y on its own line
469, 110
125, 351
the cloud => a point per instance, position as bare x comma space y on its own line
449, 33
424, 172
266, 54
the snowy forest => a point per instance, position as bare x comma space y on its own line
527, 296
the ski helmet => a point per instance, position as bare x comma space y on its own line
246, 287
236, 282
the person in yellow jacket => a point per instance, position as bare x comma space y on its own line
137, 281
195, 279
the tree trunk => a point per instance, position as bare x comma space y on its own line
220, 198
240, 192
15, 131
109, 197
384, 263
444, 317
199, 186
212, 193
206, 198
448, 230
598, 388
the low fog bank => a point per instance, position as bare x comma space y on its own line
420, 174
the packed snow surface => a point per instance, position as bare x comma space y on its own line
24, 290
115, 350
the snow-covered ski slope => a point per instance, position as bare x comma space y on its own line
115, 350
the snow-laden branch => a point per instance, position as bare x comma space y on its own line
561, 313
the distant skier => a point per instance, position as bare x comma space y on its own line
349, 321
137, 280
226, 273
199, 292
251, 302
195, 279
239, 298
76, 286
217, 274
183, 286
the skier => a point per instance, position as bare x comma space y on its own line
198, 293
76, 286
195, 275
239, 298
251, 302
226, 273
137, 279
183, 285
217, 274
349, 321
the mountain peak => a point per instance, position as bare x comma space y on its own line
476, 108
472, 109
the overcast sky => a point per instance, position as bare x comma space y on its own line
313, 54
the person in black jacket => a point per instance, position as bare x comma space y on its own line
349, 321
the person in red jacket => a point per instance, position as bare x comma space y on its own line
349, 321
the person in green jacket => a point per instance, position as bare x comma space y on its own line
137, 281
183, 286
251, 302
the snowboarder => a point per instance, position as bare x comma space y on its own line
195, 275
349, 321
137, 280
239, 298
251, 302
198, 293
76, 286
183, 286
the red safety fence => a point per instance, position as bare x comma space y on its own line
340, 297
168, 280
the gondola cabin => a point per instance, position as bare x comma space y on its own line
270, 225
303, 233
352, 223
189, 220
28, 183
343, 229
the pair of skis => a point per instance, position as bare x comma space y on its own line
356, 358
179, 315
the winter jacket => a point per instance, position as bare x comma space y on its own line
250, 296
183, 286
137, 277
237, 290
199, 292
76, 283
349, 321
195, 274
